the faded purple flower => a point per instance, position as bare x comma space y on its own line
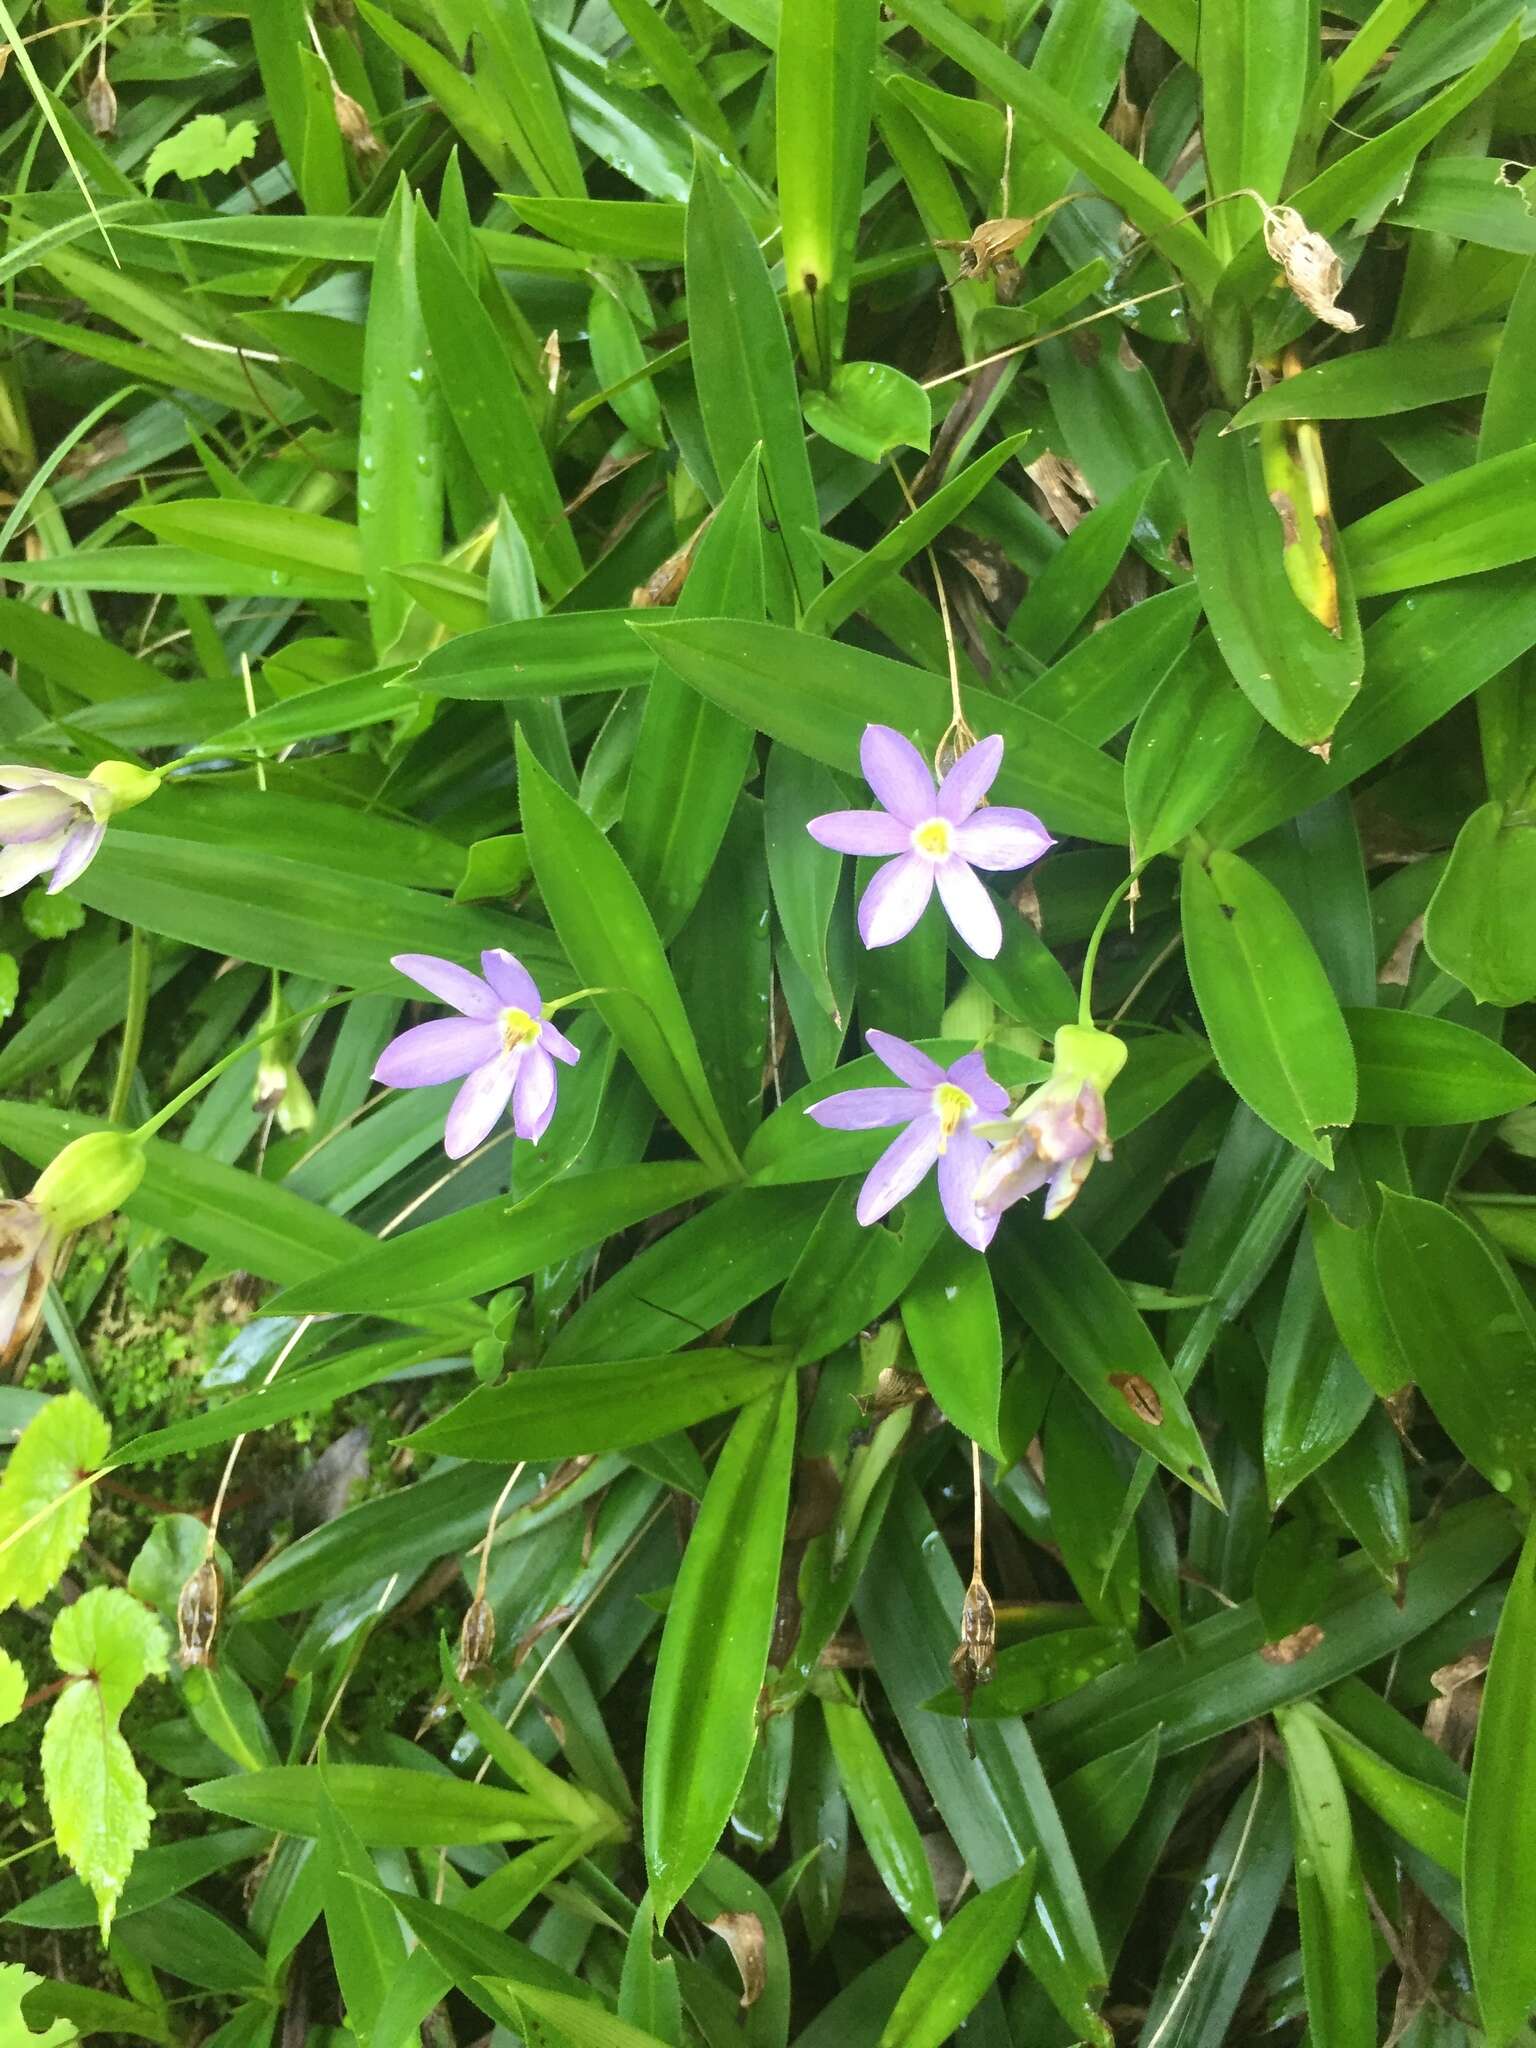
52, 824
29, 1244
939, 837
938, 1109
1055, 1134
500, 1042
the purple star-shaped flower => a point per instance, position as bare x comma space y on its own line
500, 1041
939, 837
938, 1108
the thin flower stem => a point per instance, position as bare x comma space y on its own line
133, 1024
1003, 354
490, 1531
959, 732
976, 1571
179, 1102
1090, 958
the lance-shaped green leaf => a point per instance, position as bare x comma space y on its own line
1255, 56
1500, 1857
1193, 733
1473, 519
885, 1820
44, 1510
950, 1315
569, 1411
1077, 1307
1297, 674
1274, 1023
387, 1805
963, 1964
400, 442
714, 1649
1338, 1962
826, 73
612, 943
1400, 376
1478, 925
1466, 1336
366, 1945
818, 696
108, 1644
1429, 1070
1428, 1817
746, 378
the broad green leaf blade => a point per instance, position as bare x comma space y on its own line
1427, 1070
868, 409
714, 1649
1338, 1961
1478, 926
818, 696
962, 1965
400, 447
611, 941
44, 1511
690, 757
825, 74
1400, 376
386, 1805
746, 379
950, 1316
108, 1645
1080, 1311
885, 1820
1431, 1819
1255, 60
366, 1946
1297, 674
1463, 523
572, 1410
1467, 1339
491, 1244
1193, 733
1501, 1816
1274, 1023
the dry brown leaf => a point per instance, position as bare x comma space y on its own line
742, 1934
1311, 265
1292, 1648
1140, 1396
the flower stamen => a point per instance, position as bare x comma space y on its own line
935, 838
951, 1105
518, 1029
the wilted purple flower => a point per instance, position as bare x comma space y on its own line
1056, 1133
53, 824
499, 1040
939, 1109
29, 1244
939, 837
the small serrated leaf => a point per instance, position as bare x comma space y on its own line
203, 146
96, 1798
13, 1688
59, 1446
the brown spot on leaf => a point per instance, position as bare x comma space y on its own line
742, 1933
1140, 1396
1292, 1648
1290, 531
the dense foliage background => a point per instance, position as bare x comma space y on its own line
492, 460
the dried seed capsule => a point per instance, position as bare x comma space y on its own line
477, 1641
197, 1615
974, 1662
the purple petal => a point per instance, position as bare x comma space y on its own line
1066, 1183
34, 814
478, 1104
79, 789
22, 864
449, 982
969, 780
970, 1073
556, 1042
860, 832
511, 981
868, 1109
904, 1060
899, 1169
78, 851
1008, 1176
443, 1050
897, 773
895, 900
959, 1166
533, 1095
1001, 839
971, 910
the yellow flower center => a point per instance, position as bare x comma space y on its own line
934, 838
952, 1106
518, 1029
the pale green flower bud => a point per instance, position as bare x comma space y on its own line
88, 1180
125, 784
